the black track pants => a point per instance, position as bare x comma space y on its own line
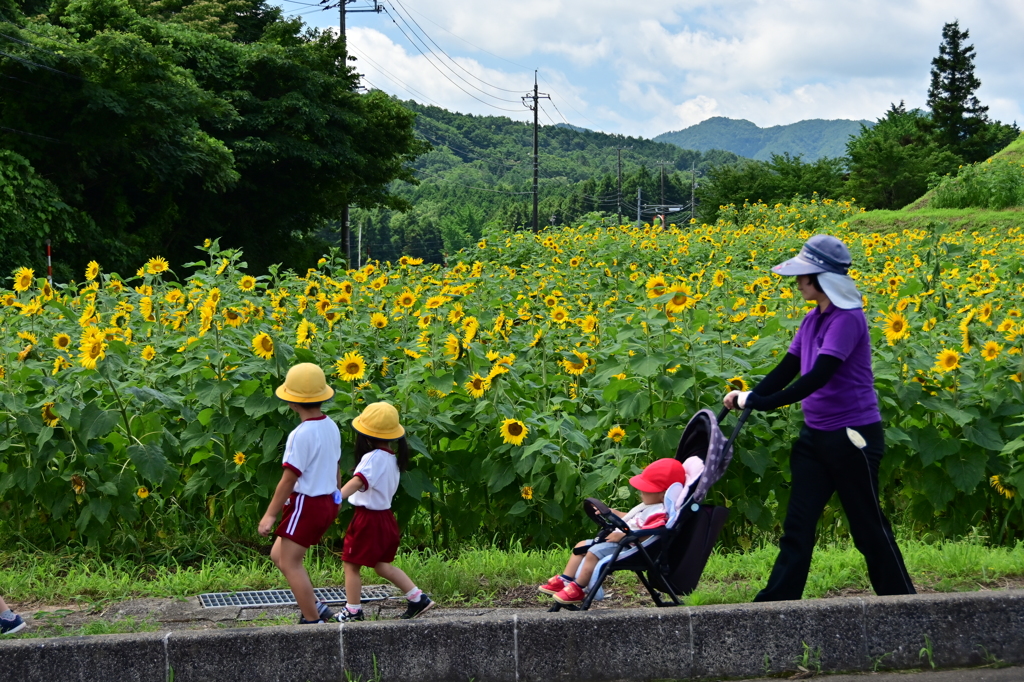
824, 462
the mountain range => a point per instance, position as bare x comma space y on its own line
812, 139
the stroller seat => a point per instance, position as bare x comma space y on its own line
670, 559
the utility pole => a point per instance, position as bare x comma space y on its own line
536, 96
638, 205
618, 194
693, 185
346, 232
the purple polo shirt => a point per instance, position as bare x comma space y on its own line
848, 399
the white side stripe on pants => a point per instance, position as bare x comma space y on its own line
294, 521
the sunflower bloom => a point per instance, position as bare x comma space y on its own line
148, 353
527, 492
947, 360
991, 350
378, 320
351, 367
156, 265
142, 492
514, 432
263, 346
49, 418
23, 279
406, 299
247, 283
578, 364
92, 270
616, 434
239, 458
1000, 486
737, 383
896, 327
478, 385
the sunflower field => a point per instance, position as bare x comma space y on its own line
537, 370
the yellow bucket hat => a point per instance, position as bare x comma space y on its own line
305, 383
380, 421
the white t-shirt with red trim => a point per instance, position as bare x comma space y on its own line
312, 451
379, 472
646, 516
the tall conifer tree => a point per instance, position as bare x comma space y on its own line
956, 111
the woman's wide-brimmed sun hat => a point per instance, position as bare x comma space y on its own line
380, 421
305, 383
828, 258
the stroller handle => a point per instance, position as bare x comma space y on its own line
736, 429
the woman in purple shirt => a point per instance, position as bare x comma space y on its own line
842, 441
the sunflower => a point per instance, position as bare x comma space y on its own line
656, 286
49, 418
406, 299
929, 325
559, 314
514, 432
156, 265
92, 270
78, 484
263, 345
526, 493
895, 327
616, 434
28, 336
378, 320
435, 302
452, 347
681, 298
223, 266
537, 338
578, 364
23, 278
737, 384
142, 492
991, 350
456, 314
574, 262
305, 333
550, 301
247, 283
91, 351
999, 484
239, 458
351, 367
947, 360
60, 362
478, 385
588, 325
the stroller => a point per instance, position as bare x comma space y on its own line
670, 559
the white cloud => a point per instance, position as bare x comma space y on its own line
647, 67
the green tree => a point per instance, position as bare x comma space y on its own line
781, 179
177, 122
890, 161
961, 121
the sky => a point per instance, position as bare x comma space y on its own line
645, 68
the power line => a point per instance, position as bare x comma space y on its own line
548, 86
442, 72
467, 42
42, 66
393, 78
490, 85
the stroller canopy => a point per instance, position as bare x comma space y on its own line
704, 439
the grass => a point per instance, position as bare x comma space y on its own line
478, 576
956, 218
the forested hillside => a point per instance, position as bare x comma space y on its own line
812, 139
480, 172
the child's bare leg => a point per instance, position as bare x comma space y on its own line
395, 576
3, 605
586, 570
353, 584
575, 559
287, 555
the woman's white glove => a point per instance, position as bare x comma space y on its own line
736, 399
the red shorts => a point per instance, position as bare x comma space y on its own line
371, 537
306, 518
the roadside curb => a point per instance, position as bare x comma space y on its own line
739, 640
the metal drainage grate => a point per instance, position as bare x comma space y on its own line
255, 599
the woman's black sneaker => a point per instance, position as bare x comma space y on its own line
303, 621
417, 607
346, 616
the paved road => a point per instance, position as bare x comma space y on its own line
1014, 674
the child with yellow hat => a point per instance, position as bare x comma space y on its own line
372, 537
308, 490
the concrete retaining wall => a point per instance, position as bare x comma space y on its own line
742, 640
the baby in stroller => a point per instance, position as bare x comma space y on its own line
652, 483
